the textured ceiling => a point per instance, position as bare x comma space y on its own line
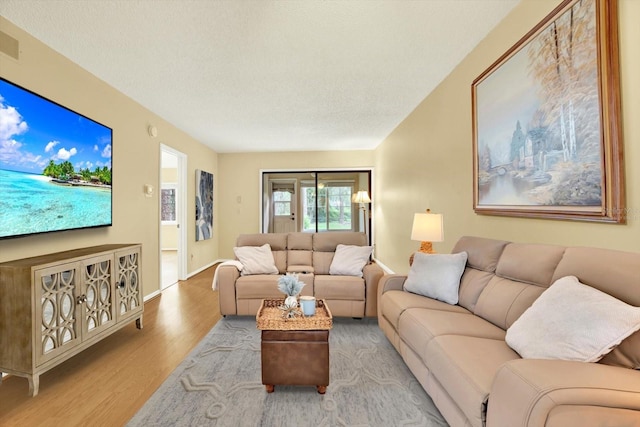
267, 75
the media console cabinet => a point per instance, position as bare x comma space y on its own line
54, 306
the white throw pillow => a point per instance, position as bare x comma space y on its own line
572, 321
350, 260
436, 275
256, 259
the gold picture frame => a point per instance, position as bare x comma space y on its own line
547, 135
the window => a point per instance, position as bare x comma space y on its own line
333, 206
282, 202
168, 204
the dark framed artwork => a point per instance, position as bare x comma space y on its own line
204, 205
547, 135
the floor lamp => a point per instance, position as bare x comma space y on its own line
362, 197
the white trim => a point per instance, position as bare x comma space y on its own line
181, 208
201, 269
151, 295
386, 269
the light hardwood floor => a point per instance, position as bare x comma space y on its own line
106, 384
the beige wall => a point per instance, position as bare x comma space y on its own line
135, 159
427, 163
239, 197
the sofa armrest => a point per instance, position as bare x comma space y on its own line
227, 276
371, 273
390, 282
529, 392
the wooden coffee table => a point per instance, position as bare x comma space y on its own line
294, 351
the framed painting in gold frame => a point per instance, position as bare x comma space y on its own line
547, 135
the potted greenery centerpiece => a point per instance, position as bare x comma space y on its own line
290, 285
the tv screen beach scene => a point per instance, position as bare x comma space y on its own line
55, 166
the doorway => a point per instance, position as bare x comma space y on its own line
284, 205
172, 215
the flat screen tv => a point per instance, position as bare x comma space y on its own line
55, 166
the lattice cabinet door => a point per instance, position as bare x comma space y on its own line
99, 305
128, 284
57, 292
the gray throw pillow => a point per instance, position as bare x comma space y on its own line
436, 275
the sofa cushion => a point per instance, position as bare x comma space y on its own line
322, 262
503, 301
513, 265
349, 260
436, 275
258, 286
613, 272
627, 354
299, 249
339, 287
467, 365
394, 303
572, 321
482, 253
472, 284
300, 241
256, 259
523, 272
277, 241
418, 326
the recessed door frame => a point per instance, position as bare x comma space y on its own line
181, 209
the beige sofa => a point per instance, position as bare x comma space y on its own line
459, 354
310, 256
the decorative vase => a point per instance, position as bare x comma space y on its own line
291, 301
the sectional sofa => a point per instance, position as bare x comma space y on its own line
461, 353
312, 256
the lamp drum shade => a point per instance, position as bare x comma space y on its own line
427, 227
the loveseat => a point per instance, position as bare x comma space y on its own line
311, 257
460, 353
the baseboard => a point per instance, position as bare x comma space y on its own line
201, 269
152, 295
386, 269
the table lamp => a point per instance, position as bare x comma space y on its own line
427, 228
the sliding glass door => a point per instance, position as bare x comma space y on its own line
329, 207
314, 201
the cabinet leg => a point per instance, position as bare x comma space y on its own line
34, 384
322, 389
269, 387
139, 322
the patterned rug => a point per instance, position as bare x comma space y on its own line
219, 384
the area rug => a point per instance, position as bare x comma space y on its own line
219, 384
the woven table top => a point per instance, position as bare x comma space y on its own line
269, 317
